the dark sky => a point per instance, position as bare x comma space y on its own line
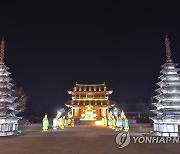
51, 46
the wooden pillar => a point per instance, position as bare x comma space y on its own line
76, 112
80, 112
107, 112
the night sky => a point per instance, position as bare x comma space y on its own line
51, 46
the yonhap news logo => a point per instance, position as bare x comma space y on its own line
123, 139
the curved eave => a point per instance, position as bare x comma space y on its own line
169, 64
169, 77
3, 67
168, 83
110, 91
4, 73
105, 103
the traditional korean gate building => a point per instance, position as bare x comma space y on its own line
90, 101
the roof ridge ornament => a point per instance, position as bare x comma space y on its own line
2, 51
168, 51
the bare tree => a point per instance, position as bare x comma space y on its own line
21, 98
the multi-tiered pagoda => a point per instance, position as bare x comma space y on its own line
167, 119
90, 101
8, 119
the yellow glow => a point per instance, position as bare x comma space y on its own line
98, 123
83, 115
83, 99
87, 119
94, 115
89, 107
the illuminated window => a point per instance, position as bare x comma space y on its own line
89, 95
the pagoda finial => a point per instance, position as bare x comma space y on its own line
2, 50
168, 51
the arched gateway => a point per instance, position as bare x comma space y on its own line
90, 101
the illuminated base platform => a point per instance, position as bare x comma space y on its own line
87, 122
167, 127
90, 122
9, 126
87, 119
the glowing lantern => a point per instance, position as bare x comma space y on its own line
94, 115
83, 115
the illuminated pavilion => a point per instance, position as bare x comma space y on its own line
90, 101
167, 112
